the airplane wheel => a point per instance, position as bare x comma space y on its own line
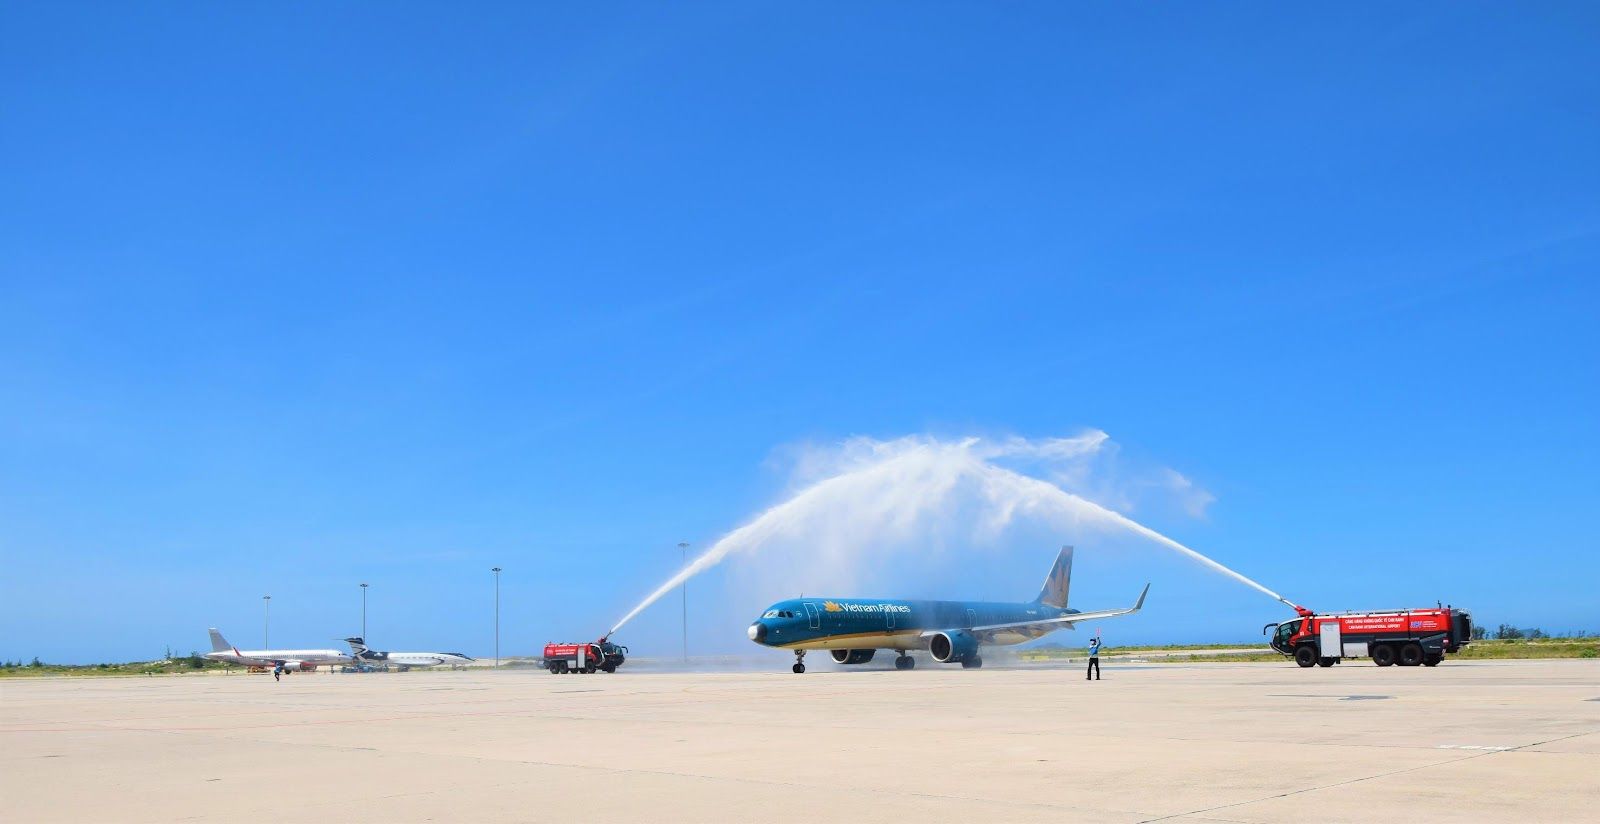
975, 662
798, 668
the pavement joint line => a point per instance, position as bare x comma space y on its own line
1479, 754
1314, 789
621, 771
801, 786
106, 726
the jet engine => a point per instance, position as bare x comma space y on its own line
853, 656
953, 645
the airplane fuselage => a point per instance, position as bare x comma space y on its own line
953, 632
416, 659
890, 623
272, 657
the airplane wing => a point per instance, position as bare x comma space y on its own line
1048, 624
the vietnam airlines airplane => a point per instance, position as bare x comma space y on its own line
404, 660
853, 629
292, 659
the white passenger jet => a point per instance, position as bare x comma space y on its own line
404, 660
289, 659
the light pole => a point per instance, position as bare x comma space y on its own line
266, 622
363, 613
683, 547
496, 572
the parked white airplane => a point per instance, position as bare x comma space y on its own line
291, 659
404, 660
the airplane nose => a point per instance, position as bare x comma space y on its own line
758, 632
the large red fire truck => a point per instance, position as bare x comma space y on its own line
570, 658
1407, 637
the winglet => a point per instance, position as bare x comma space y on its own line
1140, 603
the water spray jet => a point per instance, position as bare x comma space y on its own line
886, 491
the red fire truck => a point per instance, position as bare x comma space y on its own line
1407, 637
570, 658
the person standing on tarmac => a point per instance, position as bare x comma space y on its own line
1094, 659
277, 672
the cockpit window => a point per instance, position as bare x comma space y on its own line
771, 613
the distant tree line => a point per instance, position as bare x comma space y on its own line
1507, 632
193, 660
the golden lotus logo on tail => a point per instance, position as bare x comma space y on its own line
832, 607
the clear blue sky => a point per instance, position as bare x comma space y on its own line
293, 297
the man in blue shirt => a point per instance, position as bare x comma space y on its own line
1094, 659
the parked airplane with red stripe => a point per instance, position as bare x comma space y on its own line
289, 659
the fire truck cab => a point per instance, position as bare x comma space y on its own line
1404, 637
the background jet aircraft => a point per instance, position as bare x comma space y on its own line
854, 629
300, 659
404, 660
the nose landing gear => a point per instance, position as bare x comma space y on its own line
799, 661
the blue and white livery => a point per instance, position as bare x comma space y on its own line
854, 629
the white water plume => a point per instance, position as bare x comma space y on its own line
868, 493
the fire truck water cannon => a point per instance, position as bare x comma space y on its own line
601, 655
1407, 637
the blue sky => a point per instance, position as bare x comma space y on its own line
297, 297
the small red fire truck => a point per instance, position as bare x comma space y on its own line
1407, 637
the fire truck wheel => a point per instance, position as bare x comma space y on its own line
1327, 662
1411, 654
1305, 657
1383, 655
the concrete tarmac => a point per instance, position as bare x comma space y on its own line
1466, 741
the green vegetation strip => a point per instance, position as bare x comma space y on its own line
175, 666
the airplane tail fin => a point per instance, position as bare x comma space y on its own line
1054, 591
358, 646
218, 643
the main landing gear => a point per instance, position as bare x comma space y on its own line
904, 662
799, 661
